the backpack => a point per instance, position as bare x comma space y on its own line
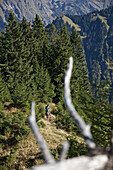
47, 113
47, 108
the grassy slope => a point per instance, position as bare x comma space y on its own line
29, 152
71, 23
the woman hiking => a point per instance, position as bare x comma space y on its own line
47, 111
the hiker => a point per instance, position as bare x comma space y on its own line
47, 111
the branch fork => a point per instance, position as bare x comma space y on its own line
97, 161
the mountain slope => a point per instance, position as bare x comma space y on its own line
48, 10
96, 30
27, 152
52, 136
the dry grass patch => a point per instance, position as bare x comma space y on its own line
52, 135
29, 153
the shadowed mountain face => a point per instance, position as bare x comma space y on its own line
48, 10
96, 30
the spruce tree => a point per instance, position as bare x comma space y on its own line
38, 28
62, 52
39, 37
42, 84
80, 86
53, 34
9, 44
16, 58
102, 116
53, 37
10, 55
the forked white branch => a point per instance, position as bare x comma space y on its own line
43, 145
85, 129
97, 162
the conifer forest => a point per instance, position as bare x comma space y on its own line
33, 60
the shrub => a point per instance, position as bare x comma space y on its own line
13, 127
76, 148
40, 111
41, 124
64, 120
56, 152
54, 110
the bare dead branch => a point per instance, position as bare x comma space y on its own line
43, 146
65, 148
98, 161
80, 163
85, 129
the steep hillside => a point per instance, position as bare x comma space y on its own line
27, 152
48, 10
96, 30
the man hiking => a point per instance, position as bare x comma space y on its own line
47, 111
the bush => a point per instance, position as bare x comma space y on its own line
64, 120
13, 127
76, 148
40, 111
56, 152
54, 110
41, 124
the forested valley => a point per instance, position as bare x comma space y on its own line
33, 60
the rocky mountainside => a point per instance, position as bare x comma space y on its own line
96, 30
48, 10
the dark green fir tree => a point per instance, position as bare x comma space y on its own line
39, 38
80, 86
43, 86
62, 52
